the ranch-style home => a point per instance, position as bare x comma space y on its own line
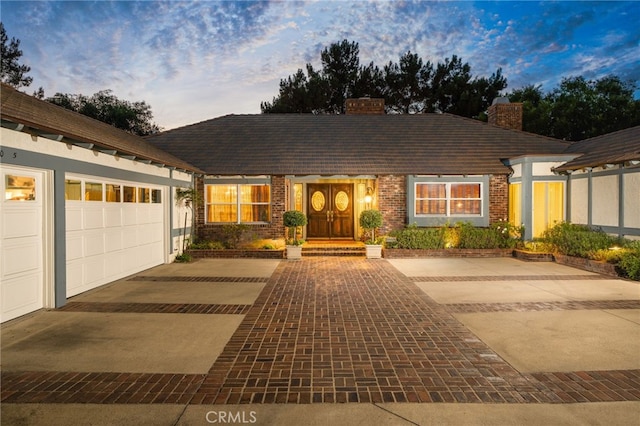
86, 204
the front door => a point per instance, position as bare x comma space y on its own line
330, 210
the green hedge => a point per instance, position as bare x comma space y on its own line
461, 235
582, 241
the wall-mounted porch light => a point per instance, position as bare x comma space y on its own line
369, 195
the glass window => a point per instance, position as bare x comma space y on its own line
129, 194
92, 191
233, 203
156, 196
222, 203
515, 203
465, 199
113, 193
548, 205
20, 188
72, 190
297, 196
255, 203
431, 198
144, 195
448, 199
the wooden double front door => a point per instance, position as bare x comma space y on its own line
330, 207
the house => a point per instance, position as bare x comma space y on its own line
86, 204
427, 169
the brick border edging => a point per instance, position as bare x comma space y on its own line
586, 264
236, 254
411, 253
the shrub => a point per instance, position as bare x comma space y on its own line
629, 263
578, 240
292, 219
413, 237
233, 234
183, 258
462, 235
370, 220
207, 245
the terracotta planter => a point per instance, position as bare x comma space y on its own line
374, 251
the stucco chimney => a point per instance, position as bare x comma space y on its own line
365, 106
502, 113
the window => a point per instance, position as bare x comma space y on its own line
92, 191
129, 194
73, 190
548, 205
448, 199
113, 193
238, 203
156, 196
144, 195
515, 203
20, 188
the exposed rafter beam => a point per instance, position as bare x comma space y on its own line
84, 145
56, 138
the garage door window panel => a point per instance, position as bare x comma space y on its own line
20, 188
72, 190
92, 191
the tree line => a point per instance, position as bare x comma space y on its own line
577, 109
409, 86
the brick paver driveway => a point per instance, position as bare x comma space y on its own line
337, 330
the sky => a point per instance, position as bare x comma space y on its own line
196, 60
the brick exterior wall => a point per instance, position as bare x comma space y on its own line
498, 198
392, 202
507, 115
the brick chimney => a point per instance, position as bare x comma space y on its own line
502, 113
365, 106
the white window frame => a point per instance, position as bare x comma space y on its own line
448, 199
239, 202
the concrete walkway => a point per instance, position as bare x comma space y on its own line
332, 341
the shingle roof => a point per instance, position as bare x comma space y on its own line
612, 148
42, 117
350, 144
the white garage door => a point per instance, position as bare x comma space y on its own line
114, 229
21, 242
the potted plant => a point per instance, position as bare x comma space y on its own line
370, 220
293, 219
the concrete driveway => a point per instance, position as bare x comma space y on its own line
332, 341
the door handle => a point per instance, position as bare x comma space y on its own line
328, 215
331, 215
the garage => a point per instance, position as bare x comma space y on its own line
84, 204
113, 229
22, 241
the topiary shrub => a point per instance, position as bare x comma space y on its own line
292, 220
370, 220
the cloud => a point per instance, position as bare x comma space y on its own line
194, 60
